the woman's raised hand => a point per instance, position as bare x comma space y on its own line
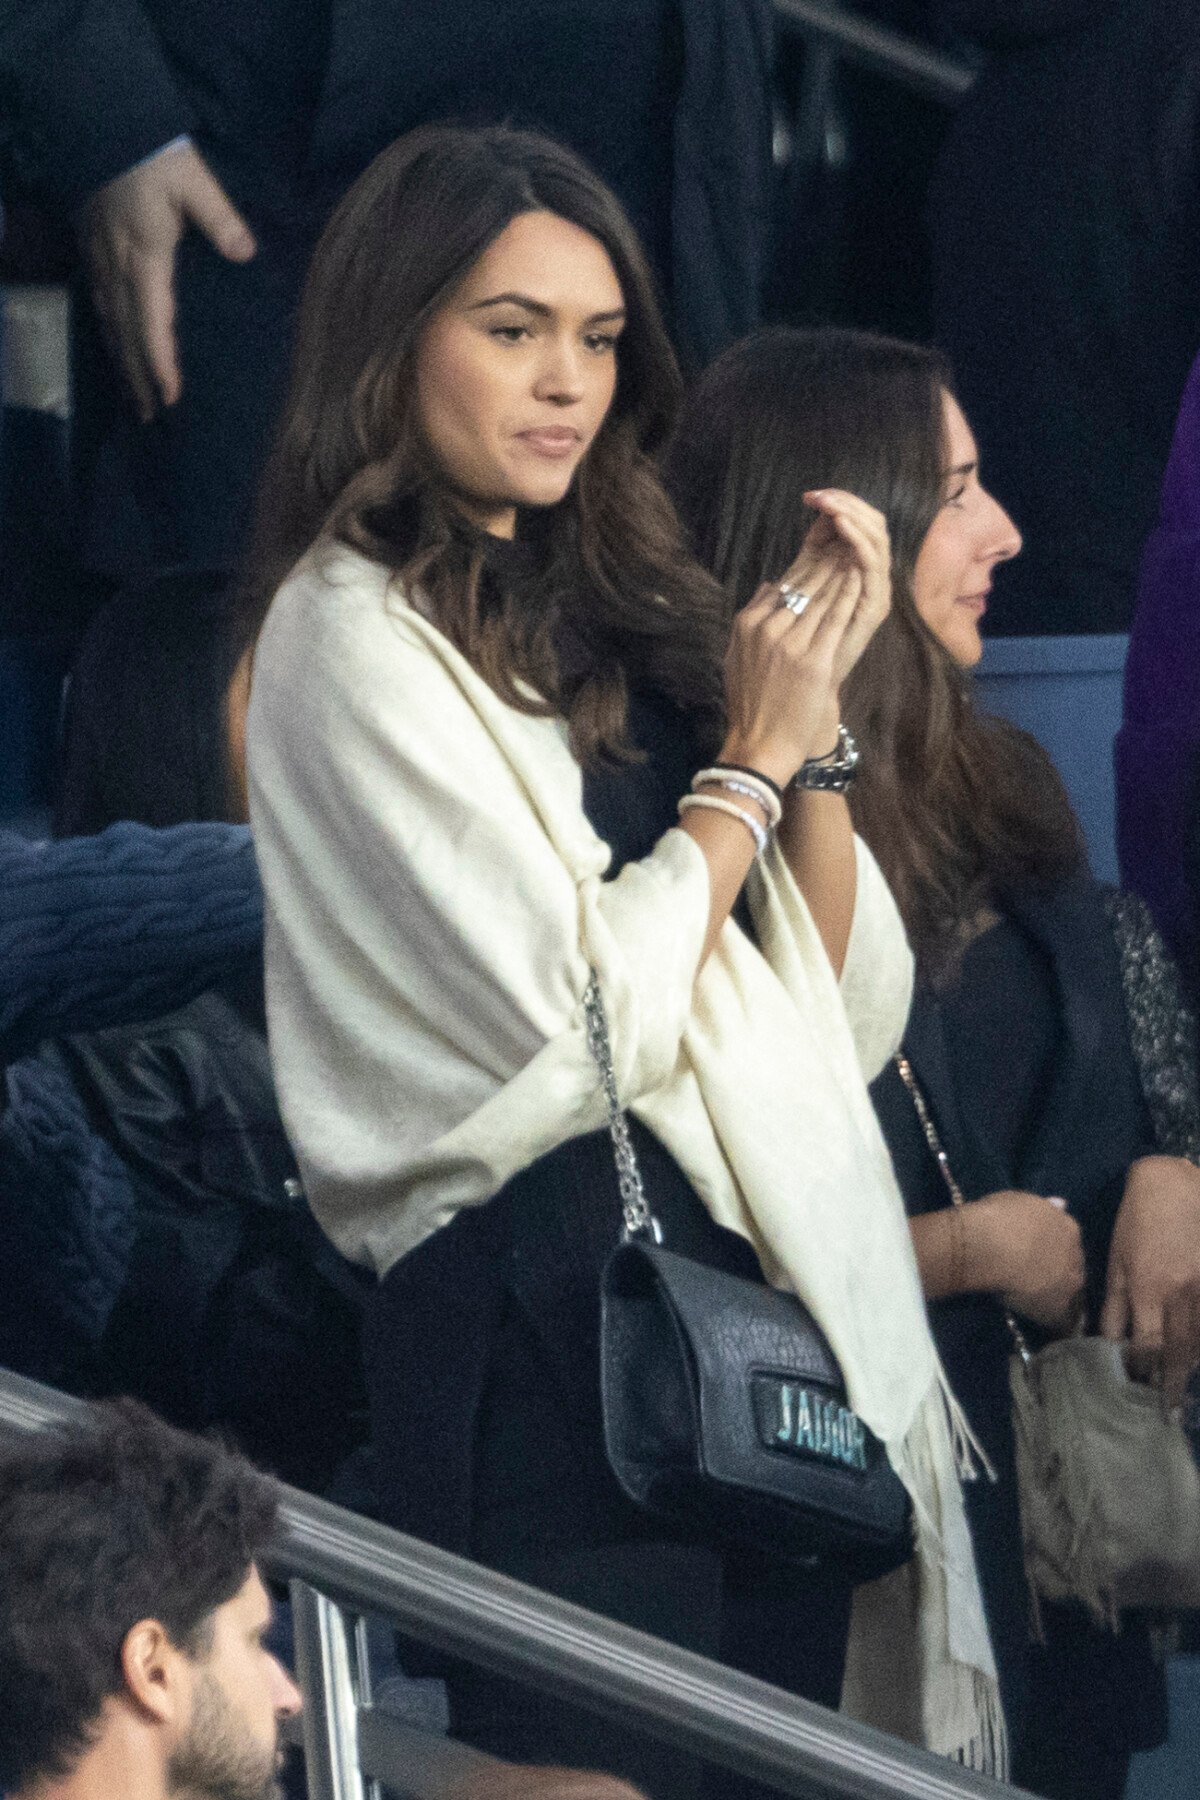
849, 532
787, 660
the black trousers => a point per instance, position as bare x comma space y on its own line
785, 1625
1094, 1698
482, 1360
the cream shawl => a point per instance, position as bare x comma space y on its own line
435, 900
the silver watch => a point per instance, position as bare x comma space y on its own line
830, 774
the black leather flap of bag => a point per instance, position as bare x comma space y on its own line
726, 1379
648, 1388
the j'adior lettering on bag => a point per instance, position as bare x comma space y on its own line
793, 1417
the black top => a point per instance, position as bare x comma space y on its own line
1001, 1030
1001, 1033
1025, 1067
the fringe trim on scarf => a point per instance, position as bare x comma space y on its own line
970, 1457
946, 1696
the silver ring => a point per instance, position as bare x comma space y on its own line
792, 597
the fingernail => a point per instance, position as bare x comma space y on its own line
1057, 1200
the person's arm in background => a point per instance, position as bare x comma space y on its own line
104, 930
99, 124
86, 92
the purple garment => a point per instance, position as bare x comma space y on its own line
1158, 745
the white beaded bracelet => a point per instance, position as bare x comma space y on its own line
734, 811
744, 781
774, 812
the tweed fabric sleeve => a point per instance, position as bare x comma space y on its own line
1162, 1028
108, 929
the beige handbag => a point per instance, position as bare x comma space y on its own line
1109, 1489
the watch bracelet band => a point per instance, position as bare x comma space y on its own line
831, 774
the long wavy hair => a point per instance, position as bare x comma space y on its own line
615, 600
956, 805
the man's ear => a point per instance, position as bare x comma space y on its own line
155, 1671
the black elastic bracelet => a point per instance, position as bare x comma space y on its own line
744, 769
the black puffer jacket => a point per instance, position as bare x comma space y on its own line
223, 1303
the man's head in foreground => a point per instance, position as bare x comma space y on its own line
132, 1616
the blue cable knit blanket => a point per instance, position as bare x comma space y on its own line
94, 931
105, 930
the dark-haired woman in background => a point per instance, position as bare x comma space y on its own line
156, 703
1018, 1037
489, 679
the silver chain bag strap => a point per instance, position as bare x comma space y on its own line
724, 1407
639, 1221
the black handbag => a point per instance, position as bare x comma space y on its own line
724, 1407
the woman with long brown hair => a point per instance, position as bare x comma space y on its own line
501, 740
1019, 1037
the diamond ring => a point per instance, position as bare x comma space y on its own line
793, 598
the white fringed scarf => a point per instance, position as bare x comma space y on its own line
435, 901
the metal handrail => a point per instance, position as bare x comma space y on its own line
877, 47
697, 1706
